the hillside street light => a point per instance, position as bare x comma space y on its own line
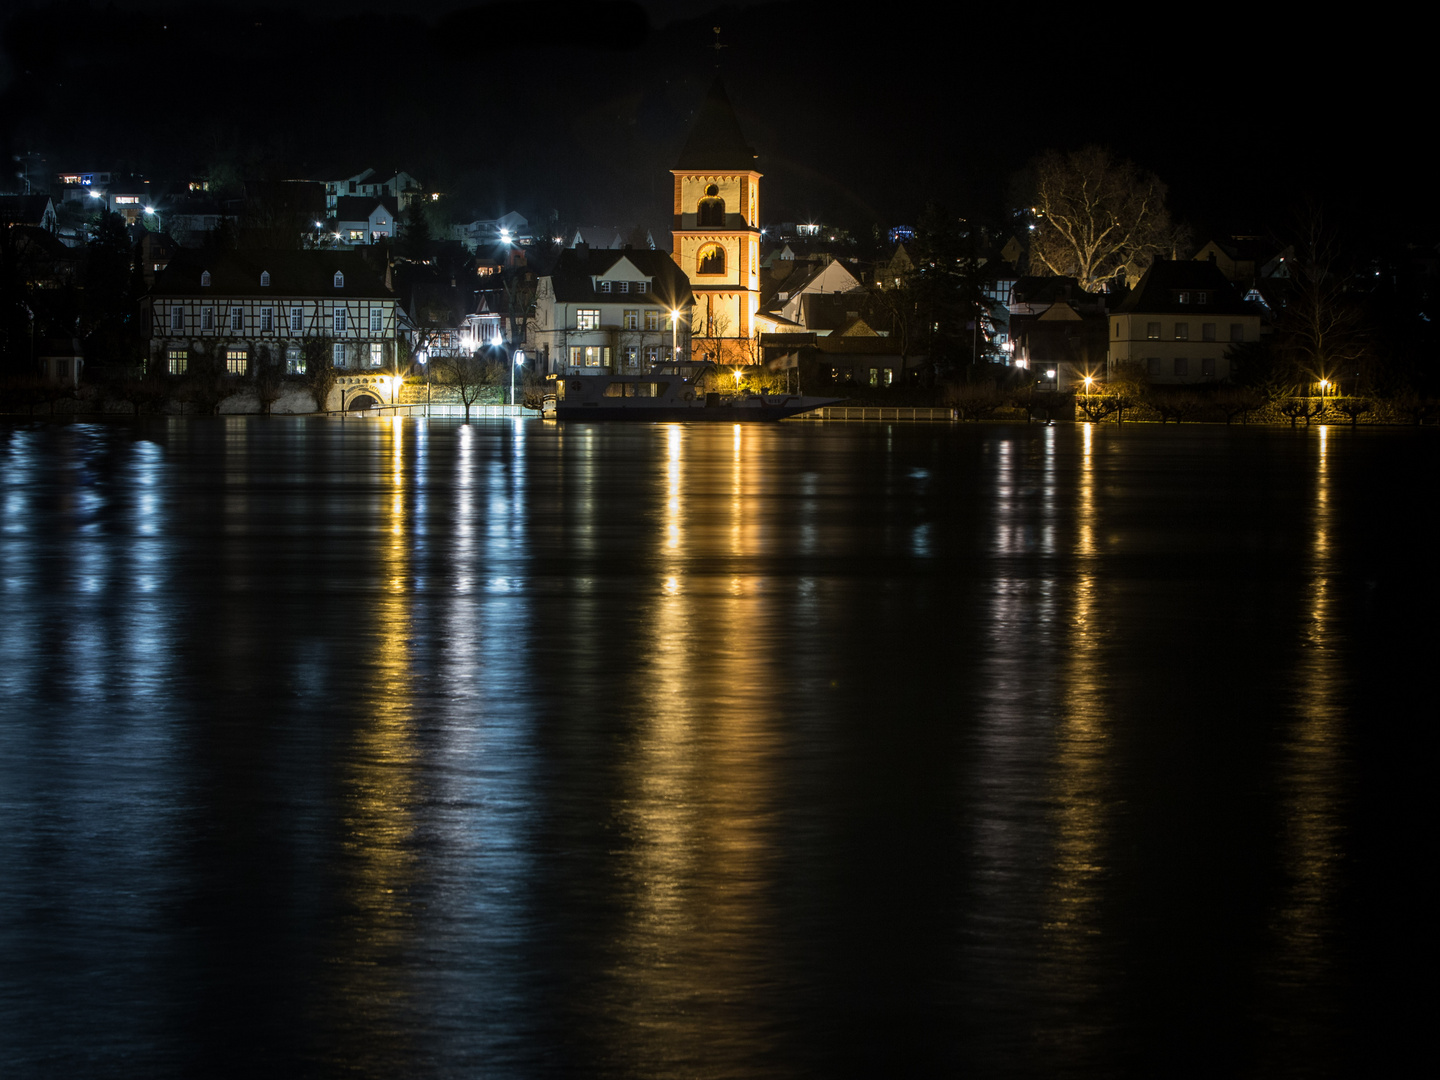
674, 335
519, 359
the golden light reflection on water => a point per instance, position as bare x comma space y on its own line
698, 786
1312, 783
1080, 771
379, 782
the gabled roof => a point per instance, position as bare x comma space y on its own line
577, 270
292, 274
23, 209
1158, 290
360, 207
716, 142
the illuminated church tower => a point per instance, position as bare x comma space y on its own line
716, 236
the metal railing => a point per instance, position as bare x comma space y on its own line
906, 413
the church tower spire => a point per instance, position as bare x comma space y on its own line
716, 234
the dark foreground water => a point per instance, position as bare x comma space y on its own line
370, 749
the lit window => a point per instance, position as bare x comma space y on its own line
587, 319
597, 355
340, 321
178, 359
294, 364
652, 355
652, 320
632, 355
377, 354
235, 361
1152, 331
632, 319
1182, 331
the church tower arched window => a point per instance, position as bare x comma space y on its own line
712, 208
711, 260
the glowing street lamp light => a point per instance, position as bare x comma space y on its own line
674, 334
519, 359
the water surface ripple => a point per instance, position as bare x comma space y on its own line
515, 749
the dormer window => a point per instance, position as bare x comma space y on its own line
604, 286
205, 279
339, 280
640, 286
264, 279
1184, 298
1202, 297
622, 286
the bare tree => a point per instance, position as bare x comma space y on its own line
1320, 332
320, 369
466, 374
1097, 219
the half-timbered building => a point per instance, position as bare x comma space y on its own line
238, 310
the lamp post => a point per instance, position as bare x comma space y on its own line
422, 357
102, 208
674, 335
519, 359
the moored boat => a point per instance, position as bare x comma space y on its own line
667, 392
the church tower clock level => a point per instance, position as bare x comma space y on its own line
716, 236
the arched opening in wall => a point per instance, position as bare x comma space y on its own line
712, 207
711, 260
362, 401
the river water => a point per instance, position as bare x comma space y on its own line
379, 748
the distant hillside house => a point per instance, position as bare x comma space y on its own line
36, 210
238, 310
1180, 323
364, 220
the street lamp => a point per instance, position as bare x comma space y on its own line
422, 356
519, 359
674, 335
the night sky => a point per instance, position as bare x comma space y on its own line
858, 117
